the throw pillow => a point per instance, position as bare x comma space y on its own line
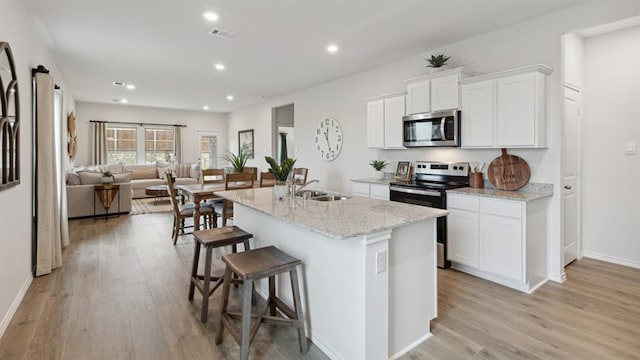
183, 170
117, 168
90, 177
145, 173
122, 178
195, 171
162, 172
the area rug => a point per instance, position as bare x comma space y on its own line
150, 205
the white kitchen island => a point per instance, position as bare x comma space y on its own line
369, 284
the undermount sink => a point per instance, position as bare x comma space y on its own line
320, 195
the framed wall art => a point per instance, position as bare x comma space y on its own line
245, 143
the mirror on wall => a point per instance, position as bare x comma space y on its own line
9, 120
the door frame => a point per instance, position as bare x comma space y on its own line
578, 183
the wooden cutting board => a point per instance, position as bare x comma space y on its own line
508, 172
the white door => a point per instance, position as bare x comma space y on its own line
418, 97
445, 93
515, 122
393, 131
478, 114
571, 174
209, 149
375, 124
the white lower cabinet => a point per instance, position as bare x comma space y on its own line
374, 191
500, 240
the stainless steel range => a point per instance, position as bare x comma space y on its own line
428, 188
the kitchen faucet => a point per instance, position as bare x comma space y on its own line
293, 189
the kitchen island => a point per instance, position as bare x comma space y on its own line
369, 284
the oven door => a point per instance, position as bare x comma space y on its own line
431, 129
430, 198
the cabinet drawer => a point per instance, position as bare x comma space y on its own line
462, 202
380, 192
360, 189
506, 208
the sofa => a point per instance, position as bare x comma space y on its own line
133, 180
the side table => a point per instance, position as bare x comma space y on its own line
157, 191
106, 193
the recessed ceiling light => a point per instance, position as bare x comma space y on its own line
210, 16
230, 97
219, 66
124, 101
332, 48
131, 86
205, 107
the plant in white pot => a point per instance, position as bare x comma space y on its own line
378, 166
437, 62
282, 172
236, 161
107, 177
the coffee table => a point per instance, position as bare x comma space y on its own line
157, 191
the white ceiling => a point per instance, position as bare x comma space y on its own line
163, 46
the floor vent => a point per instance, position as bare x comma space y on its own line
222, 33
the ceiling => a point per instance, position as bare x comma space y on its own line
164, 46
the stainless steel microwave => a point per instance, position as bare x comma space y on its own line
432, 129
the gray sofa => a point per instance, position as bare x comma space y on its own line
133, 180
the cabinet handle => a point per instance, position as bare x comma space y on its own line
568, 187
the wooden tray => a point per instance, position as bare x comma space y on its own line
508, 172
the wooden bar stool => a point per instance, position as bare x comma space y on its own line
210, 239
251, 266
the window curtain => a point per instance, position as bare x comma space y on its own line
48, 238
99, 143
178, 144
61, 154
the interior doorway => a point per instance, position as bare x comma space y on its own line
571, 174
209, 149
283, 132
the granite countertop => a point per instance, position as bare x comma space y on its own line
340, 219
384, 181
528, 193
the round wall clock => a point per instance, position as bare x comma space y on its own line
329, 139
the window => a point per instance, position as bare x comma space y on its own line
122, 145
159, 145
128, 145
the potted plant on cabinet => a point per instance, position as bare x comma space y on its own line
281, 172
107, 177
437, 62
236, 161
378, 165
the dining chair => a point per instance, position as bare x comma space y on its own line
251, 170
232, 182
182, 212
212, 176
300, 176
267, 179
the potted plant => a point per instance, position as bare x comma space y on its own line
378, 165
236, 161
107, 177
437, 61
282, 172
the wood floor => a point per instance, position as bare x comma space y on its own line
122, 294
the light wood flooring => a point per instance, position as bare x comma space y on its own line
122, 294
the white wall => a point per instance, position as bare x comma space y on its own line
535, 41
611, 118
573, 59
195, 121
17, 28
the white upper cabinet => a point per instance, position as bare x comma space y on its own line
384, 121
435, 92
506, 109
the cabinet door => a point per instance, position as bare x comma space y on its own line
393, 112
478, 114
462, 237
501, 246
418, 97
375, 124
379, 191
445, 93
360, 189
516, 111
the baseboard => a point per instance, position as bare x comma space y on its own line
14, 306
611, 259
558, 278
410, 346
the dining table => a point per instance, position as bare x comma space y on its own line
198, 193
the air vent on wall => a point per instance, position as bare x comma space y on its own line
222, 33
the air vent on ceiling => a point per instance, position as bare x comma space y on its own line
222, 33
119, 83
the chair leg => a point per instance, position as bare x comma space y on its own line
272, 295
176, 231
302, 338
226, 284
245, 335
194, 269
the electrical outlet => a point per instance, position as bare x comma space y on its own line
630, 148
381, 261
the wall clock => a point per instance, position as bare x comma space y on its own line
329, 139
